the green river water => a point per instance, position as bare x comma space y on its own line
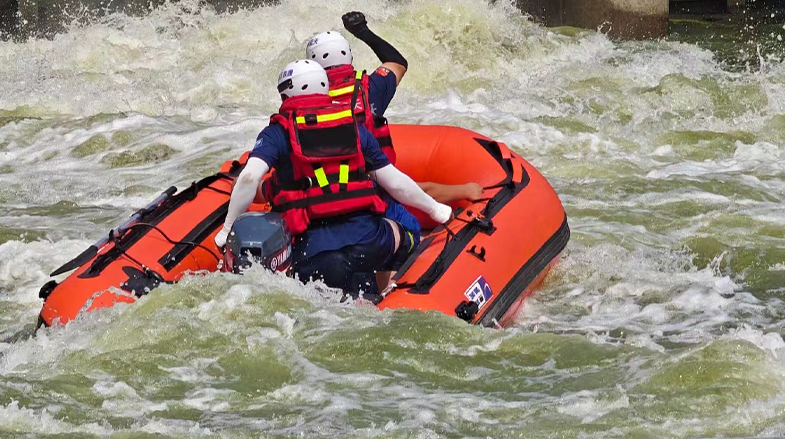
664, 318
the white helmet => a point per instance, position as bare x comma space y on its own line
329, 49
302, 77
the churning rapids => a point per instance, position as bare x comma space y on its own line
664, 317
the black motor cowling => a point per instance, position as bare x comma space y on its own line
260, 237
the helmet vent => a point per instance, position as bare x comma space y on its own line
305, 86
343, 52
325, 55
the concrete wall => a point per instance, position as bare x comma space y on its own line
622, 19
45, 18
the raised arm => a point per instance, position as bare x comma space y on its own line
391, 59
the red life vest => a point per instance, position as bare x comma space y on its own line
347, 85
329, 168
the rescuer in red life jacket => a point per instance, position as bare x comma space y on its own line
332, 51
326, 171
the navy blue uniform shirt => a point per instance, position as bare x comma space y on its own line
381, 89
272, 146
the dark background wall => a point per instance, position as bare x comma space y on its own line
44, 18
721, 6
647, 19
7, 18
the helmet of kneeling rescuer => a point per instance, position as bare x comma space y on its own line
302, 77
258, 237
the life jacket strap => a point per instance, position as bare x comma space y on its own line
321, 178
358, 82
343, 177
327, 198
385, 142
379, 121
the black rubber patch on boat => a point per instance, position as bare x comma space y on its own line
139, 282
533, 267
47, 289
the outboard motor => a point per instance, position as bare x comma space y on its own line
260, 237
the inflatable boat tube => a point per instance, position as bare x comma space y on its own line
496, 251
479, 267
158, 244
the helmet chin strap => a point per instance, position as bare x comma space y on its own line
285, 85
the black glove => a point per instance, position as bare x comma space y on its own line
354, 22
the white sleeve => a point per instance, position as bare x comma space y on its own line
401, 187
243, 194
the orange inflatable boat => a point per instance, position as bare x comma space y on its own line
480, 266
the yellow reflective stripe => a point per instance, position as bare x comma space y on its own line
334, 116
411, 241
343, 174
321, 177
358, 74
326, 117
341, 91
